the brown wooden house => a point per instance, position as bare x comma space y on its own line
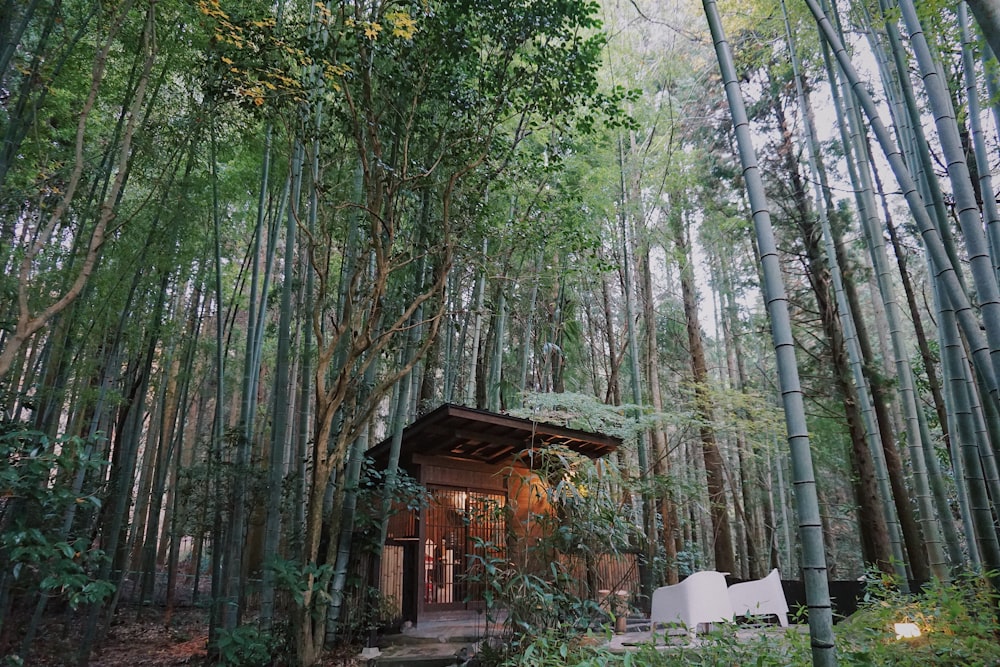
476, 466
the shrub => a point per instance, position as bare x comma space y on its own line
38, 502
247, 646
957, 621
537, 606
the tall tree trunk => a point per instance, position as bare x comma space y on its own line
982, 160
983, 354
279, 444
477, 332
117, 520
614, 395
715, 467
859, 164
528, 337
164, 449
172, 521
807, 502
661, 455
969, 216
872, 518
749, 467
642, 448
987, 13
495, 374
218, 421
967, 445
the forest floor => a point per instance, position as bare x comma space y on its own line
139, 637
144, 639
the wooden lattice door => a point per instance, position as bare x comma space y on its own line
461, 524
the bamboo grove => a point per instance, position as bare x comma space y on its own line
243, 242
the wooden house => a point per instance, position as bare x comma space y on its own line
477, 467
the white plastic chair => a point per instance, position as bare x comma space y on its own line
760, 597
702, 598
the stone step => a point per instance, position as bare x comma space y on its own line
424, 654
461, 636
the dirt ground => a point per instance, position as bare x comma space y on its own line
138, 638
143, 639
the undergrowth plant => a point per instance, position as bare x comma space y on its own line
958, 621
247, 646
544, 583
47, 556
720, 648
536, 605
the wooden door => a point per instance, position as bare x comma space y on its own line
463, 526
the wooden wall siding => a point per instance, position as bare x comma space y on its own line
402, 524
441, 474
604, 572
391, 583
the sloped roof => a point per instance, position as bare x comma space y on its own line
478, 435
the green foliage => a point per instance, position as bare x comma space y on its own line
747, 414
588, 413
592, 514
206, 486
300, 581
716, 649
724, 647
537, 604
588, 516
61, 568
957, 621
247, 646
551, 648
407, 496
40, 556
370, 611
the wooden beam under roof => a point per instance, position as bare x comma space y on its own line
478, 435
